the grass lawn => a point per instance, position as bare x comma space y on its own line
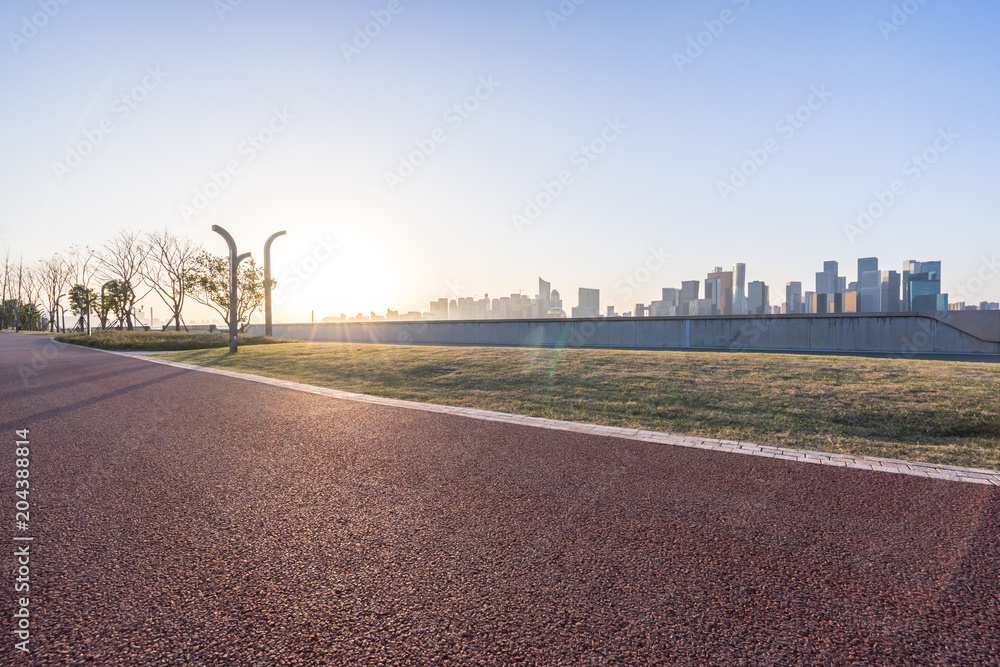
933, 411
158, 340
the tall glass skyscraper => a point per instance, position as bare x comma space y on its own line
922, 286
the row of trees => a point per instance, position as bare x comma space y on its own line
107, 282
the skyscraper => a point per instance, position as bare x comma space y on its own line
827, 279
871, 292
890, 291
589, 303
910, 267
542, 299
793, 297
439, 309
922, 287
758, 301
719, 290
689, 295
866, 264
739, 289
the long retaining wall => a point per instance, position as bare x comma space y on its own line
952, 332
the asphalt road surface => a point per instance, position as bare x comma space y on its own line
184, 518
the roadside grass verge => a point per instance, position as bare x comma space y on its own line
932, 411
135, 341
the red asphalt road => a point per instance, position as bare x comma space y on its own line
186, 518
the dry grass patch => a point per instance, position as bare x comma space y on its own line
934, 411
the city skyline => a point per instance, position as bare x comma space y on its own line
725, 293
608, 138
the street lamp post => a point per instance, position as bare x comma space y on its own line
267, 281
234, 262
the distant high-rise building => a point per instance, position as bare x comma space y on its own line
809, 302
671, 296
589, 303
758, 298
689, 294
544, 290
828, 280
739, 289
719, 290
922, 287
702, 307
866, 264
852, 301
826, 283
871, 292
890, 291
439, 309
910, 267
611, 311
668, 305
542, 302
793, 297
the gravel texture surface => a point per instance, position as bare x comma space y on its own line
182, 518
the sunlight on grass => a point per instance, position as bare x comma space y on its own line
158, 340
934, 411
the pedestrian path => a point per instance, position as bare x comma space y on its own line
928, 470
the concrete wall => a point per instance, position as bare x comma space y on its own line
969, 332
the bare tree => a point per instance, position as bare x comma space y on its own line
169, 263
53, 276
7, 267
34, 287
85, 265
20, 293
122, 259
29, 291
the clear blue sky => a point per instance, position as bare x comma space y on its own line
447, 229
